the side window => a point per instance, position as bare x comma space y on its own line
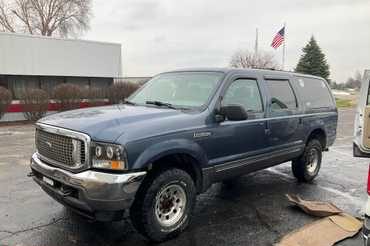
315, 93
282, 95
244, 92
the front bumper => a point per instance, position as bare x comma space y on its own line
96, 195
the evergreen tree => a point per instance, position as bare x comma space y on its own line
313, 61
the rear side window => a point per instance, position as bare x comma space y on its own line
315, 94
282, 95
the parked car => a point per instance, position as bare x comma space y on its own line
361, 142
181, 132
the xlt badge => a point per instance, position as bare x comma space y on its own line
202, 134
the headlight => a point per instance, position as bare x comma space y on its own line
108, 156
110, 152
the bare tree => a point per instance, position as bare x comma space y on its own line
247, 59
354, 82
45, 17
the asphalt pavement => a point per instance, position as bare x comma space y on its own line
251, 211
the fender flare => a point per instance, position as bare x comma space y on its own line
322, 129
170, 147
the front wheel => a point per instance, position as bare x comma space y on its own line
307, 166
164, 204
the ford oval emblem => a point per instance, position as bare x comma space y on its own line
49, 144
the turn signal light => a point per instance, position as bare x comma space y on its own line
117, 165
107, 164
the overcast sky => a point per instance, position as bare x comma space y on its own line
160, 35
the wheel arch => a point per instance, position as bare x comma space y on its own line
320, 135
182, 154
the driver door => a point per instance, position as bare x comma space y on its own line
235, 143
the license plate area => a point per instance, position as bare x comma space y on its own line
48, 181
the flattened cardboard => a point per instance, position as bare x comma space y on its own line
315, 208
347, 222
323, 232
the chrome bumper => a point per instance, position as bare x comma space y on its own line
366, 240
88, 192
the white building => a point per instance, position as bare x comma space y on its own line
28, 61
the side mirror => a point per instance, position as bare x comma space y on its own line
234, 112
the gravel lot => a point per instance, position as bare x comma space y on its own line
253, 211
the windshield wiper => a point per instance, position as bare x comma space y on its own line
159, 103
129, 102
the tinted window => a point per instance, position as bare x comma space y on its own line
282, 96
3, 82
314, 92
244, 92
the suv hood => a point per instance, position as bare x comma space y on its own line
109, 122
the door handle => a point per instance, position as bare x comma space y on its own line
267, 132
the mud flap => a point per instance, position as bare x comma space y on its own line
358, 153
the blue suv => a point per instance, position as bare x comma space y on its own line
178, 134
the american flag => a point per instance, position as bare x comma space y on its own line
278, 39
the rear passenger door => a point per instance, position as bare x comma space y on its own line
284, 126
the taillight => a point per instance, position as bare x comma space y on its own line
368, 181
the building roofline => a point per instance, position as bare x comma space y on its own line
58, 76
56, 38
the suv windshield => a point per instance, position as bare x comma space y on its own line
182, 89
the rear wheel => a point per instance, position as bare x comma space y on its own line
164, 204
307, 166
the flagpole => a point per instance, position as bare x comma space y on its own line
284, 47
256, 44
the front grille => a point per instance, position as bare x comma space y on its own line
60, 149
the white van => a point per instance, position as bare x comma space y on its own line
361, 142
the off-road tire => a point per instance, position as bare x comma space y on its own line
142, 211
300, 166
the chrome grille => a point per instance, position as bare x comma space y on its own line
60, 149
